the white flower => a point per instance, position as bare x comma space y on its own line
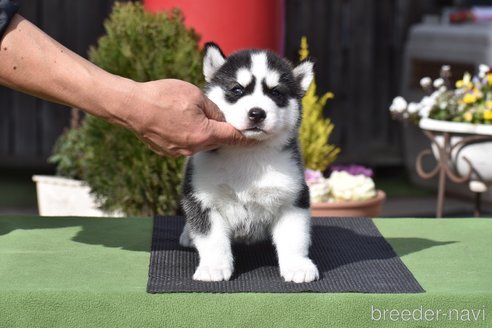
426, 104
438, 83
425, 111
413, 108
427, 100
344, 186
445, 68
425, 82
319, 192
399, 105
483, 70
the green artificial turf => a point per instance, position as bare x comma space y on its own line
92, 272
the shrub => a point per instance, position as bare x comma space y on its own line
315, 129
121, 171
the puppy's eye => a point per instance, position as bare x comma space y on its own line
276, 92
237, 90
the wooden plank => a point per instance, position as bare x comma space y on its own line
359, 92
24, 108
86, 34
54, 120
25, 127
382, 69
5, 122
337, 78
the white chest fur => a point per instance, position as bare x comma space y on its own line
248, 188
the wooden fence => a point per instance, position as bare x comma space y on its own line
358, 45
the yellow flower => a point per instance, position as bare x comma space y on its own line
489, 78
329, 95
468, 117
469, 98
487, 115
304, 51
465, 83
477, 93
488, 104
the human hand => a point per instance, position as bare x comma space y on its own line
174, 117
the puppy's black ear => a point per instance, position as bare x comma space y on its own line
304, 74
214, 58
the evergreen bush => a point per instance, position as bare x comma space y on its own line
315, 130
121, 171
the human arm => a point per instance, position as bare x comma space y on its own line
173, 117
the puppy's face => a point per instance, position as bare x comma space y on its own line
258, 92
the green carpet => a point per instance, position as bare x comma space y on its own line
91, 272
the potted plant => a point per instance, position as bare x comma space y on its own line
66, 194
459, 120
349, 191
120, 172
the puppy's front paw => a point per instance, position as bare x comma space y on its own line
208, 273
185, 239
299, 270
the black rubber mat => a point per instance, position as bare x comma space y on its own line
351, 255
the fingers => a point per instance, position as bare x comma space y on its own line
166, 150
224, 134
156, 148
174, 153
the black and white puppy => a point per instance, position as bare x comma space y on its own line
251, 193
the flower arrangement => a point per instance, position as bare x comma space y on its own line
345, 183
469, 101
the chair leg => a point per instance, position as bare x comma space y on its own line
478, 198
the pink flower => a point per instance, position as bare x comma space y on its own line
353, 170
312, 176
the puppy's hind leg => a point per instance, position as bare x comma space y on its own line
214, 249
291, 236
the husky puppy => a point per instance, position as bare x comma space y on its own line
251, 193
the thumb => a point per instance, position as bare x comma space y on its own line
211, 110
224, 133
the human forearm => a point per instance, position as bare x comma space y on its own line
34, 63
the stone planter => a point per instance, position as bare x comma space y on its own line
463, 153
59, 196
479, 154
365, 208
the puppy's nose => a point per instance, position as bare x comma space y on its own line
256, 115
